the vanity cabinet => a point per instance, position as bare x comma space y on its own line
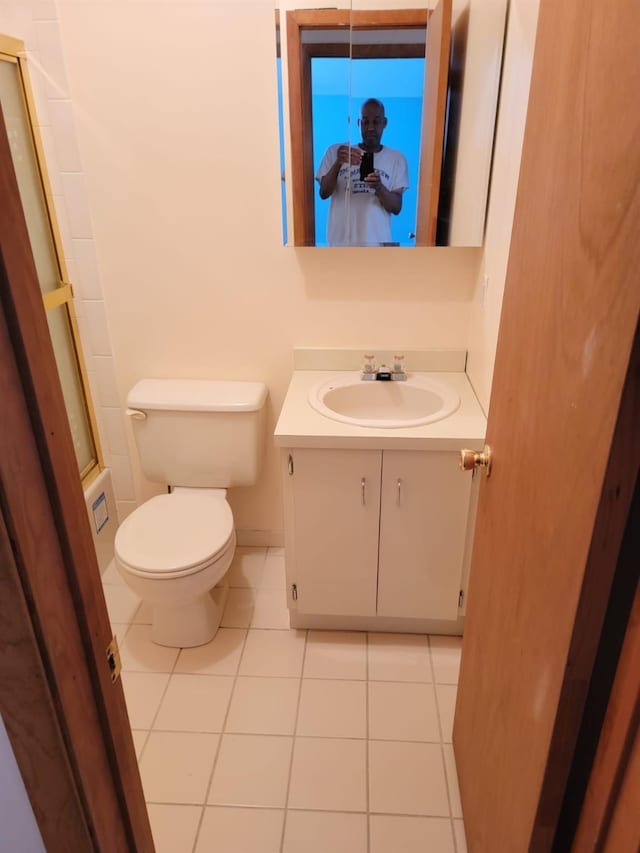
336, 514
375, 533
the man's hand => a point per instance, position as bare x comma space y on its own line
373, 181
345, 154
390, 200
349, 154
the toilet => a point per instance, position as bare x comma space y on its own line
198, 437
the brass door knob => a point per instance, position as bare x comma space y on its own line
471, 459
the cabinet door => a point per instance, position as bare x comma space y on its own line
423, 522
336, 507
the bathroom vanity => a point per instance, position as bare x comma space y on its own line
378, 520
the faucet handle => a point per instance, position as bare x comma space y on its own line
369, 363
369, 367
398, 364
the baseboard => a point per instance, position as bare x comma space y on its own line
260, 538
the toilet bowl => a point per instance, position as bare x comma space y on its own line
174, 551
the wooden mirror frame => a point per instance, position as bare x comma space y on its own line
299, 57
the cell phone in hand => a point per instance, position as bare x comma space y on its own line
366, 164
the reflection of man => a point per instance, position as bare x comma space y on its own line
360, 210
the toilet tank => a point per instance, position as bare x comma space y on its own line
199, 432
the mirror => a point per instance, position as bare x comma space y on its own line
436, 73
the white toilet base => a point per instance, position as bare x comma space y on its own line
192, 624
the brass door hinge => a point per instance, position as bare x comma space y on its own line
113, 659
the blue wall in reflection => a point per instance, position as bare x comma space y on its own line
398, 83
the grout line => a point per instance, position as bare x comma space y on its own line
293, 741
367, 731
442, 756
221, 735
164, 693
300, 736
252, 808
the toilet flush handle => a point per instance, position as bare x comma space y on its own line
136, 413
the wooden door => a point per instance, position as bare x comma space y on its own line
433, 114
424, 506
66, 720
336, 507
564, 428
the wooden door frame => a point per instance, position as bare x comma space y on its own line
605, 803
66, 721
434, 108
299, 93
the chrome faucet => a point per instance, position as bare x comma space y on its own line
383, 373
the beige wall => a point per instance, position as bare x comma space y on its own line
175, 117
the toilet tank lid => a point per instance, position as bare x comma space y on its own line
197, 395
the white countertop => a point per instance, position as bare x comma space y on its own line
299, 425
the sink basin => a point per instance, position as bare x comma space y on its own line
413, 402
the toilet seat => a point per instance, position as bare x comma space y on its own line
175, 535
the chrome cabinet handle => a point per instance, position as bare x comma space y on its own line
399, 490
363, 485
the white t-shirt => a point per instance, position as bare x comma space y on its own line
356, 216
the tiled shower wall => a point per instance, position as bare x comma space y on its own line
36, 24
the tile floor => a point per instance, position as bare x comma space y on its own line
272, 740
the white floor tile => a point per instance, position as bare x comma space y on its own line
219, 657
112, 576
247, 567
122, 603
229, 830
143, 692
328, 774
251, 770
461, 840
238, 610
195, 703
336, 708
174, 828
321, 832
270, 609
176, 766
336, 654
274, 576
277, 653
446, 696
445, 657
140, 654
407, 779
143, 614
139, 740
120, 631
403, 711
452, 779
263, 706
399, 657
395, 834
